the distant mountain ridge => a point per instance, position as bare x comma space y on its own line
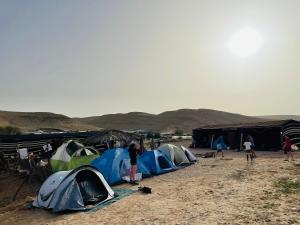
184, 119
281, 117
28, 121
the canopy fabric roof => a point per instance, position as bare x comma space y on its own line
263, 124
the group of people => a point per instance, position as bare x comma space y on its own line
287, 148
249, 146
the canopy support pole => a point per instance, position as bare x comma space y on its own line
241, 142
212, 140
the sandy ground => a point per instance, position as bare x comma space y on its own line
213, 191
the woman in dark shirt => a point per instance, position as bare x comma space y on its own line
133, 151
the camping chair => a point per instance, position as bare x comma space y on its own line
3, 163
12, 162
39, 169
32, 171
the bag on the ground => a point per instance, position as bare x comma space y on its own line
146, 190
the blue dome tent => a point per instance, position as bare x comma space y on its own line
157, 162
79, 189
114, 165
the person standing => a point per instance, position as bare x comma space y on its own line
158, 143
220, 146
287, 146
133, 150
48, 150
248, 150
152, 144
220, 149
251, 140
142, 147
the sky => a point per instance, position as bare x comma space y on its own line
92, 57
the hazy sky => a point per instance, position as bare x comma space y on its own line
87, 57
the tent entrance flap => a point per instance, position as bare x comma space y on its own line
163, 163
92, 189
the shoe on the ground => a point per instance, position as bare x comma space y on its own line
134, 182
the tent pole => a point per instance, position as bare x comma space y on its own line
241, 141
212, 140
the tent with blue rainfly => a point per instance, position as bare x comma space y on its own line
114, 165
157, 162
219, 142
79, 189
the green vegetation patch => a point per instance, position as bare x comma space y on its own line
288, 186
9, 130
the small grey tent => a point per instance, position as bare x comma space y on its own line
175, 154
79, 189
189, 154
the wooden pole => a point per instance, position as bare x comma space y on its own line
241, 142
212, 140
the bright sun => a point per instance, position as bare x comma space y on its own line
245, 42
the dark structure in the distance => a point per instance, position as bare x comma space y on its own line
268, 135
35, 142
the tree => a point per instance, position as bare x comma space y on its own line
178, 132
150, 135
156, 135
9, 130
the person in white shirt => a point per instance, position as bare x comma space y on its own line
249, 150
47, 147
48, 150
251, 140
247, 145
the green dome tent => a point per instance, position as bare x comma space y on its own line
71, 155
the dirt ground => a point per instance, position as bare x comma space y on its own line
213, 191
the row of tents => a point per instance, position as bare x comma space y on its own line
167, 157
114, 164
83, 177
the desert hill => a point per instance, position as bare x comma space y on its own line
282, 117
185, 119
28, 121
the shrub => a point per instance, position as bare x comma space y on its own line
178, 132
288, 186
156, 135
9, 130
150, 135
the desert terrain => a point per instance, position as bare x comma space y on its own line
184, 119
212, 191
